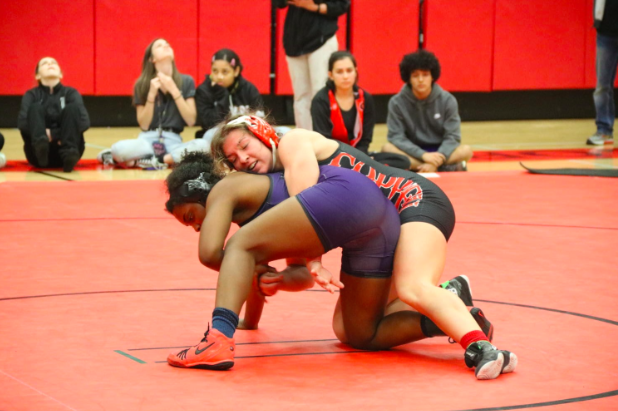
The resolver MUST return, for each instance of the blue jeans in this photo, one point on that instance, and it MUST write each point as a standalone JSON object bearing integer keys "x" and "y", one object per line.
{"x": 607, "y": 63}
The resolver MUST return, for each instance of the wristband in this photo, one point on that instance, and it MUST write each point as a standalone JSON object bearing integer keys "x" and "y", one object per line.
{"x": 176, "y": 98}
{"x": 149, "y": 101}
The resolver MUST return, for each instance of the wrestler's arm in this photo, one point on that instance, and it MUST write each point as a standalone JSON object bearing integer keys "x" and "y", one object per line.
{"x": 214, "y": 230}
{"x": 298, "y": 158}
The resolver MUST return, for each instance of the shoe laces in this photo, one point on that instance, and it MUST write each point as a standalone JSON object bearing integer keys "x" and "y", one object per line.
{"x": 183, "y": 354}
{"x": 206, "y": 334}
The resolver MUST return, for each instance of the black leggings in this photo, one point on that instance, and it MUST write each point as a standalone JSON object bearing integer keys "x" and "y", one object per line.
{"x": 70, "y": 137}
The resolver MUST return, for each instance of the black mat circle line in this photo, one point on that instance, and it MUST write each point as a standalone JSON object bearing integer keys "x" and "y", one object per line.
{"x": 509, "y": 407}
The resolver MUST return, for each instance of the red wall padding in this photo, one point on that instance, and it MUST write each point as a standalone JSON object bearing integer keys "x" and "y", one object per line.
{"x": 244, "y": 28}
{"x": 283, "y": 84}
{"x": 31, "y": 30}
{"x": 124, "y": 30}
{"x": 540, "y": 44}
{"x": 591, "y": 46}
{"x": 483, "y": 45}
{"x": 461, "y": 34}
{"x": 382, "y": 32}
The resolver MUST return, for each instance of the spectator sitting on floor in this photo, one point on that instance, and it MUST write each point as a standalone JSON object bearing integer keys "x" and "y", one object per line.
{"x": 164, "y": 102}
{"x": 225, "y": 92}
{"x": 344, "y": 111}
{"x": 52, "y": 120}
{"x": 423, "y": 119}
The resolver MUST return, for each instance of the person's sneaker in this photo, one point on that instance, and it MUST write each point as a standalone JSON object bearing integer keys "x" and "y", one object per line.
{"x": 483, "y": 322}
{"x": 488, "y": 361}
{"x": 214, "y": 352}
{"x": 2, "y": 160}
{"x": 460, "y": 286}
{"x": 150, "y": 163}
{"x": 41, "y": 151}
{"x": 105, "y": 157}
{"x": 598, "y": 139}
{"x": 461, "y": 166}
{"x": 69, "y": 160}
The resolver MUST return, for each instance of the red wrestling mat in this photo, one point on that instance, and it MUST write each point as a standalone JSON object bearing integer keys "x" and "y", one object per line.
{"x": 501, "y": 155}
{"x": 99, "y": 283}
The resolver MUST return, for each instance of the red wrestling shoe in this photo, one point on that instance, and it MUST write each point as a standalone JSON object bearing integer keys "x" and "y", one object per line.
{"x": 214, "y": 352}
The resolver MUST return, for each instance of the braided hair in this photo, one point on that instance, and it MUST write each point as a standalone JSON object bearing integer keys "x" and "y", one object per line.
{"x": 191, "y": 180}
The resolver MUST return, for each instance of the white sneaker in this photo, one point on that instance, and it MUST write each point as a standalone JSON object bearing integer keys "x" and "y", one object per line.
{"x": 599, "y": 139}
{"x": 2, "y": 160}
{"x": 150, "y": 163}
{"x": 105, "y": 157}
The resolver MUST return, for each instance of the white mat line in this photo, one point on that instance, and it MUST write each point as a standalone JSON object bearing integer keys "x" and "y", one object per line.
{"x": 40, "y": 392}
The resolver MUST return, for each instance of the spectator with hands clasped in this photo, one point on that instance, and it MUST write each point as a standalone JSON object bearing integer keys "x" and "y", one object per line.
{"x": 164, "y": 102}
{"x": 423, "y": 119}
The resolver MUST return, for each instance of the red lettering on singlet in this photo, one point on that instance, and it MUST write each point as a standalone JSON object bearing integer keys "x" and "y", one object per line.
{"x": 408, "y": 195}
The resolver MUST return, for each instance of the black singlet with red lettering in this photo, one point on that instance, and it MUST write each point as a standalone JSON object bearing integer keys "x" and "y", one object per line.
{"x": 415, "y": 197}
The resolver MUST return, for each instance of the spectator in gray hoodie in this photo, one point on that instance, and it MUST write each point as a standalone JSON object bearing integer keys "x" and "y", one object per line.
{"x": 423, "y": 119}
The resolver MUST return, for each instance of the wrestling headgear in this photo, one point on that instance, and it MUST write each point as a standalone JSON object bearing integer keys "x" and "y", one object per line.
{"x": 260, "y": 128}
{"x": 263, "y": 131}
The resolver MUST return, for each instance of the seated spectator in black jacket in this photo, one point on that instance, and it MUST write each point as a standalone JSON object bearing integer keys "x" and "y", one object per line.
{"x": 343, "y": 111}
{"x": 52, "y": 120}
{"x": 225, "y": 92}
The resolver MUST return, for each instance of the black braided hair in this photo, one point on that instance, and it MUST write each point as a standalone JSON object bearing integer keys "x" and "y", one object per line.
{"x": 190, "y": 168}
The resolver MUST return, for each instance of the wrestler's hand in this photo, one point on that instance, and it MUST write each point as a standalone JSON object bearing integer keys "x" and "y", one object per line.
{"x": 259, "y": 272}
{"x": 324, "y": 277}
{"x": 269, "y": 282}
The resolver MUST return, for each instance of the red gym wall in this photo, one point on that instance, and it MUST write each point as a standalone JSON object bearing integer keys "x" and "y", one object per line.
{"x": 483, "y": 45}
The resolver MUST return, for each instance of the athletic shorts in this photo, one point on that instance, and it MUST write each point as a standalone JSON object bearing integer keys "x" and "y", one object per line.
{"x": 435, "y": 209}
{"x": 348, "y": 210}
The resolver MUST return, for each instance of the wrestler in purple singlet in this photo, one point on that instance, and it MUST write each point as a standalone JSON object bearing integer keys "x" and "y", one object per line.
{"x": 369, "y": 232}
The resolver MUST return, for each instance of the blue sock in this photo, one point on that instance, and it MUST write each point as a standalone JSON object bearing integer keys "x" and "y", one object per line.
{"x": 225, "y": 321}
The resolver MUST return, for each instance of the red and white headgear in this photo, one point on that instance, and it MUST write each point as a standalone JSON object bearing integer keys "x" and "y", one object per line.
{"x": 262, "y": 130}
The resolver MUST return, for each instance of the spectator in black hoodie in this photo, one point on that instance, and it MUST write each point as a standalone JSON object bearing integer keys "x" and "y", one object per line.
{"x": 52, "y": 120}
{"x": 225, "y": 92}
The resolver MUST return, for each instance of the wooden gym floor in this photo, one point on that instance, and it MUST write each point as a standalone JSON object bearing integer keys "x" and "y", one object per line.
{"x": 484, "y": 137}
